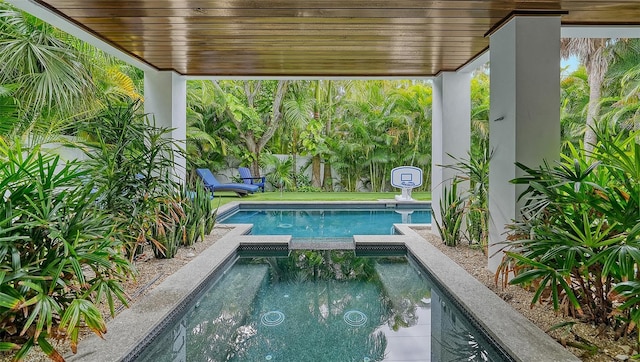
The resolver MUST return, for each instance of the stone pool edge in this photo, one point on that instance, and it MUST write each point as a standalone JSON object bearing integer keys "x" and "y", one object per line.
{"x": 522, "y": 339}
{"x": 517, "y": 335}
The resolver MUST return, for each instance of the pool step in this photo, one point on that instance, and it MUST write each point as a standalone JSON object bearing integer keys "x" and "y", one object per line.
{"x": 213, "y": 321}
{"x": 322, "y": 244}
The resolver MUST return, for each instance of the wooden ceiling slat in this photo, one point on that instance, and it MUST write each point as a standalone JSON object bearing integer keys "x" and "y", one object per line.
{"x": 277, "y": 56}
{"x": 335, "y": 4}
{"x": 160, "y": 29}
{"x": 225, "y": 55}
{"x": 360, "y": 68}
{"x": 159, "y": 35}
{"x": 290, "y": 13}
{"x": 201, "y": 21}
{"x": 315, "y": 37}
{"x": 184, "y": 37}
{"x": 307, "y": 51}
{"x": 303, "y": 4}
{"x": 433, "y": 41}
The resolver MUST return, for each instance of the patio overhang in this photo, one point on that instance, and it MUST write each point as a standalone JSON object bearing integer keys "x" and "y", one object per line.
{"x": 174, "y": 41}
{"x": 311, "y": 38}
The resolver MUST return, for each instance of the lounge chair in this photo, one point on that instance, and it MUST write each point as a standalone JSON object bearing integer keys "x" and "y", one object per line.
{"x": 247, "y": 178}
{"x": 212, "y": 184}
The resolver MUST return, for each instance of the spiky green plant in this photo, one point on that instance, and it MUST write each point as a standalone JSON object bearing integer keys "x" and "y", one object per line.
{"x": 58, "y": 253}
{"x": 452, "y": 205}
{"x": 475, "y": 170}
{"x": 131, "y": 163}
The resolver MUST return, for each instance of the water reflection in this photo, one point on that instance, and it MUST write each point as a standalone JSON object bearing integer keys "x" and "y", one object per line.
{"x": 322, "y": 306}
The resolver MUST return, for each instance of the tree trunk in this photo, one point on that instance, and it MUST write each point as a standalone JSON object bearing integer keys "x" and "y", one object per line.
{"x": 327, "y": 177}
{"x": 315, "y": 172}
{"x": 255, "y": 150}
{"x": 595, "y": 92}
{"x": 316, "y": 160}
{"x": 294, "y": 173}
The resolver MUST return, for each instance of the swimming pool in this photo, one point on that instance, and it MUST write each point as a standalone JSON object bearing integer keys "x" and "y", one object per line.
{"x": 315, "y": 221}
{"x": 167, "y": 302}
{"x": 322, "y": 306}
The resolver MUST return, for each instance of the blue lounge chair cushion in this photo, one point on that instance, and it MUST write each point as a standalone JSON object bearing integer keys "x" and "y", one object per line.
{"x": 247, "y": 178}
{"x": 212, "y": 184}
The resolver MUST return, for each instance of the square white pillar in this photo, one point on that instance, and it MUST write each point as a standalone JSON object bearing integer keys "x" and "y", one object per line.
{"x": 451, "y": 130}
{"x": 165, "y": 99}
{"x": 525, "y": 113}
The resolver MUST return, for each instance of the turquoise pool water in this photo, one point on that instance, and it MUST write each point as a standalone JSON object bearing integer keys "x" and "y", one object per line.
{"x": 329, "y": 223}
{"x": 322, "y": 306}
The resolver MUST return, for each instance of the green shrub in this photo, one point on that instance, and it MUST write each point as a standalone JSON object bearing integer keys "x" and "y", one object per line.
{"x": 451, "y": 214}
{"x": 200, "y": 213}
{"x": 475, "y": 170}
{"x": 58, "y": 253}
{"x": 168, "y": 231}
{"x": 131, "y": 163}
{"x": 579, "y": 236}
{"x": 185, "y": 221}
{"x": 279, "y": 175}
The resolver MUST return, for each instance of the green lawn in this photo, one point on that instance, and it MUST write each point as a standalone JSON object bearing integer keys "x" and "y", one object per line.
{"x": 226, "y": 197}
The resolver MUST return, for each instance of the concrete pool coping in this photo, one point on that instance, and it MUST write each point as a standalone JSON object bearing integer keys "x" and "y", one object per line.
{"x": 516, "y": 335}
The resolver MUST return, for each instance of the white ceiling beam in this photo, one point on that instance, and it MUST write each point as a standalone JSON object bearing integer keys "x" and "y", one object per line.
{"x": 600, "y": 31}
{"x": 475, "y": 63}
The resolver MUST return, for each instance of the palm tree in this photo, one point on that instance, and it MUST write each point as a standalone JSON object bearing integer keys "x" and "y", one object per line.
{"x": 622, "y": 86}
{"x": 411, "y": 125}
{"x": 210, "y": 136}
{"x": 574, "y": 98}
{"x": 595, "y": 54}
{"x": 297, "y": 112}
{"x": 51, "y": 75}
{"x": 349, "y": 155}
{"x": 480, "y": 105}
{"x": 58, "y": 81}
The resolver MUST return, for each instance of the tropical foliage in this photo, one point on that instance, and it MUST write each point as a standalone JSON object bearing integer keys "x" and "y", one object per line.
{"x": 59, "y": 253}
{"x": 451, "y": 213}
{"x": 49, "y": 71}
{"x": 52, "y": 80}
{"x": 255, "y": 109}
{"x": 470, "y": 204}
{"x": 596, "y": 55}
{"x": 331, "y": 122}
{"x": 578, "y": 244}
{"x": 130, "y": 162}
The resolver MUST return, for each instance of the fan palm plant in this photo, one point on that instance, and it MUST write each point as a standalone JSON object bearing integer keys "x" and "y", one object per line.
{"x": 51, "y": 74}
{"x": 580, "y": 233}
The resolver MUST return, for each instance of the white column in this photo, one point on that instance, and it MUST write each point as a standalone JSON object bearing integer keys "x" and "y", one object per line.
{"x": 165, "y": 99}
{"x": 525, "y": 113}
{"x": 451, "y": 130}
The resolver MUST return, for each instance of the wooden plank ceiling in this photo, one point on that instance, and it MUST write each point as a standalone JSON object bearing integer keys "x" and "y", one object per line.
{"x": 316, "y": 38}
